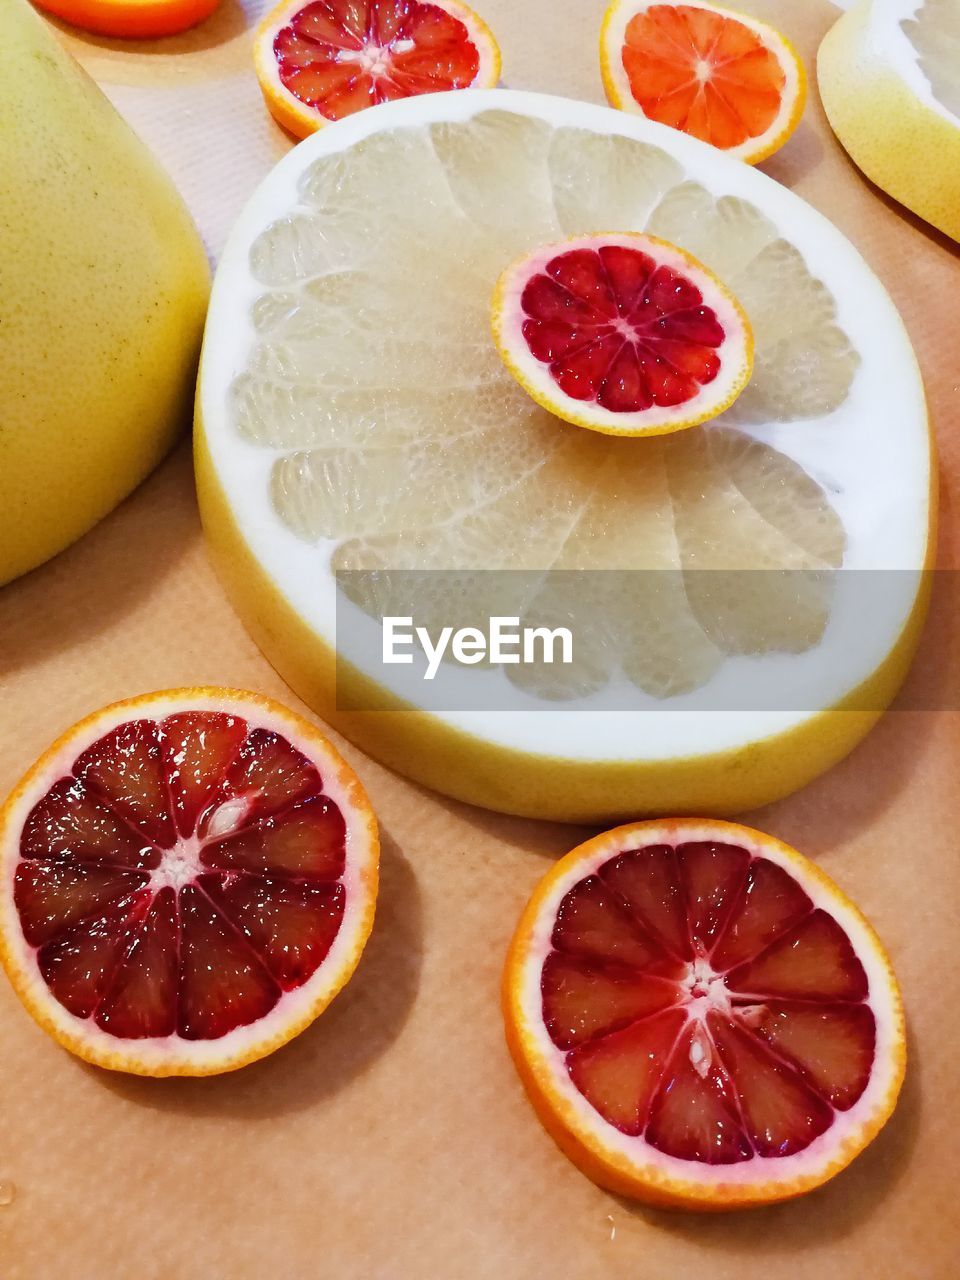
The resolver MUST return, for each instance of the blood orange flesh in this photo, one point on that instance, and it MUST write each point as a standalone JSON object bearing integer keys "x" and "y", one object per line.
{"x": 703, "y": 1001}
{"x": 622, "y": 333}
{"x": 184, "y": 875}
{"x": 339, "y": 56}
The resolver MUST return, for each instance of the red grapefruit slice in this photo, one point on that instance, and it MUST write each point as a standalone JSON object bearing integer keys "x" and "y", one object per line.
{"x": 622, "y": 333}
{"x": 186, "y": 881}
{"x": 718, "y": 75}
{"x": 326, "y": 59}
{"x": 700, "y": 1017}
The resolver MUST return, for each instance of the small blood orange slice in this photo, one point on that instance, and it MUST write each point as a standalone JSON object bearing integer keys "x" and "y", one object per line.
{"x": 187, "y": 879}
{"x": 622, "y": 333}
{"x": 326, "y": 59}
{"x": 718, "y": 75}
{"x": 700, "y": 1017}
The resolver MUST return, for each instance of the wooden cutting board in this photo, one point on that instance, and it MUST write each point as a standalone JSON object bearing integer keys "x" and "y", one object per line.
{"x": 392, "y": 1140}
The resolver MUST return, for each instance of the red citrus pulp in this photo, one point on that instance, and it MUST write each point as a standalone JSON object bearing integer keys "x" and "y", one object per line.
{"x": 185, "y": 879}
{"x": 703, "y": 1015}
{"x": 624, "y": 334}
{"x": 326, "y": 59}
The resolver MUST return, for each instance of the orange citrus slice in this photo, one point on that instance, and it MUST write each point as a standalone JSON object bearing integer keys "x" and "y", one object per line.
{"x": 700, "y": 1016}
{"x": 131, "y": 19}
{"x": 721, "y": 76}
{"x": 324, "y": 60}
{"x": 188, "y": 879}
{"x": 624, "y": 334}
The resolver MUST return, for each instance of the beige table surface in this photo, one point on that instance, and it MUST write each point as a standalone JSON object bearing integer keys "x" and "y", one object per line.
{"x": 392, "y": 1140}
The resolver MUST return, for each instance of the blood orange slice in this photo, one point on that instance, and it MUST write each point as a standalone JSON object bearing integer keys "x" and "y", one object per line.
{"x": 326, "y": 59}
{"x": 721, "y": 76}
{"x": 700, "y": 1017}
{"x": 186, "y": 881}
{"x": 624, "y": 334}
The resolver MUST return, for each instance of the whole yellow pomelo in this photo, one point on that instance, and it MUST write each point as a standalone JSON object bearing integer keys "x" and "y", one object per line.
{"x": 103, "y": 290}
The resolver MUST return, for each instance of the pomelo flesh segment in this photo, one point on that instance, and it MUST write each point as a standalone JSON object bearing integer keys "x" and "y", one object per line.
{"x": 934, "y": 31}
{"x": 184, "y": 874}
{"x": 702, "y": 1001}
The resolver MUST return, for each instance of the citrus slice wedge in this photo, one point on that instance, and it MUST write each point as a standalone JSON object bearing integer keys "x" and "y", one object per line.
{"x": 187, "y": 879}
{"x": 889, "y": 77}
{"x": 700, "y": 1016}
{"x": 131, "y": 19}
{"x": 719, "y": 75}
{"x": 624, "y": 334}
{"x": 354, "y": 417}
{"x": 325, "y": 59}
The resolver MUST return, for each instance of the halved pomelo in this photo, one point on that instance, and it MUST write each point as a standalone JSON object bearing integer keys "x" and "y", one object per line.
{"x": 716, "y": 74}
{"x": 321, "y": 60}
{"x": 700, "y": 1016}
{"x": 187, "y": 879}
{"x": 622, "y": 333}
{"x": 354, "y": 415}
{"x": 889, "y": 77}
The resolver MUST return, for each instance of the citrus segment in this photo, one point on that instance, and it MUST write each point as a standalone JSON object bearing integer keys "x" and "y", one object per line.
{"x": 934, "y": 32}
{"x": 326, "y": 59}
{"x": 622, "y": 333}
{"x": 688, "y": 1080}
{"x": 189, "y": 878}
{"x": 889, "y": 77}
{"x": 720, "y": 76}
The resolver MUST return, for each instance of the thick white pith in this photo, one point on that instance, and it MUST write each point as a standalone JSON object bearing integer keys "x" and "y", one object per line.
{"x": 168, "y": 1054}
{"x": 614, "y": 36}
{"x": 871, "y": 456}
{"x": 596, "y": 1133}
{"x": 509, "y": 318}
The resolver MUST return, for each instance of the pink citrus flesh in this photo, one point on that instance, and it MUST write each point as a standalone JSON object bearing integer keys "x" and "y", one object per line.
{"x": 327, "y": 59}
{"x": 622, "y": 333}
{"x": 712, "y": 1011}
{"x": 185, "y": 878}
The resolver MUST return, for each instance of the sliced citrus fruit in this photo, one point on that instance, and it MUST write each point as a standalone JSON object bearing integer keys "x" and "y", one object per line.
{"x": 188, "y": 879}
{"x": 889, "y": 76}
{"x": 326, "y": 59}
{"x": 718, "y": 75}
{"x": 131, "y": 19}
{"x": 624, "y": 334}
{"x": 354, "y": 414}
{"x": 700, "y": 1016}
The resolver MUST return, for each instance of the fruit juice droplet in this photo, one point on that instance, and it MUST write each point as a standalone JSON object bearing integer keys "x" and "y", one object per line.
{"x": 7, "y": 1192}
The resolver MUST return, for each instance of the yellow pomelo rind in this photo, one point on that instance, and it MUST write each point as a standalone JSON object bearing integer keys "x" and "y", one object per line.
{"x": 105, "y": 286}
{"x": 909, "y": 150}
